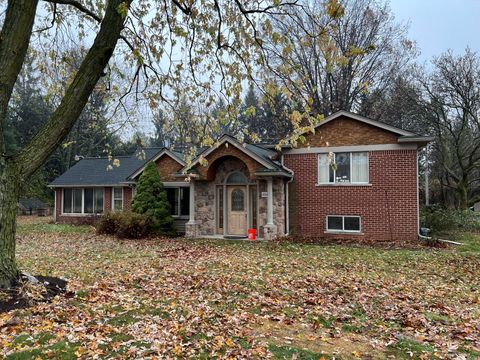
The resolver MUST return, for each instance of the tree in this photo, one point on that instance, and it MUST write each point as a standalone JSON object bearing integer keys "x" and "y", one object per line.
{"x": 151, "y": 199}
{"x": 330, "y": 59}
{"x": 15, "y": 35}
{"x": 450, "y": 96}
{"x": 266, "y": 119}
{"x": 218, "y": 42}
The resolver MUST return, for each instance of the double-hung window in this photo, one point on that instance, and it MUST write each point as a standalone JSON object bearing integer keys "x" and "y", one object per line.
{"x": 179, "y": 199}
{"x": 117, "y": 199}
{"x": 83, "y": 201}
{"x": 343, "y": 168}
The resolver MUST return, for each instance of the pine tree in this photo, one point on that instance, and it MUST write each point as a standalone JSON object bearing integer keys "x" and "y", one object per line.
{"x": 151, "y": 199}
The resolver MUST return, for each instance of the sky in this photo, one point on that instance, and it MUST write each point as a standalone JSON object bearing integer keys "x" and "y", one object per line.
{"x": 439, "y": 25}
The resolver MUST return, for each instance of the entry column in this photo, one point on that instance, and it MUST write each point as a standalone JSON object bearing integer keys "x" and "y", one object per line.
{"x": 270, "y": 229}
{"x": 191, "y": 225}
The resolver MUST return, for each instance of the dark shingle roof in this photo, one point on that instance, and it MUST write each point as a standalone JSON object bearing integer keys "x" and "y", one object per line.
{"x": 31, "y": 203}
{"x": 96, "y": 171}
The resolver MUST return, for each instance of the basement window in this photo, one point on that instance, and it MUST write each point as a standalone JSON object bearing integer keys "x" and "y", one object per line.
{"x": 343, "y": 223}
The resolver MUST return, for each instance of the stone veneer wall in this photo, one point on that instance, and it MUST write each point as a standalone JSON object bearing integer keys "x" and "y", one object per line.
{"x": 278, "y": 206}
{"x": 205, "y": 199}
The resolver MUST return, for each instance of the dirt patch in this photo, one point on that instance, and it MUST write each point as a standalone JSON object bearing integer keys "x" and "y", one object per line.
{"x": 28, "y": 293}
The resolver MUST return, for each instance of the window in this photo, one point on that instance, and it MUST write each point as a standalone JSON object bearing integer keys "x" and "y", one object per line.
{"x": 342, "y": 223}
{"x": 343, "y": 167}
{"x": 238, "y": 200}
{"x": 253, "y": 204}
{"x": 220, "y": 209}
{"x": 93, "y": 198}
{"x": 236, "y": 178}
{"x": 117, "y": 196}
{"x": 83, "y": 201}
{"x": 179, "y": 199}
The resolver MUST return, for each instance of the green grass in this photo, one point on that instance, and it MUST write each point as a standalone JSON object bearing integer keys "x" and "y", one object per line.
{"x": 23, "y": 229}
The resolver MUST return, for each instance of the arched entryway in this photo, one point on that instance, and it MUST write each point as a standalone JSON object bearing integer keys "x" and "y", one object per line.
{"x": 236, "y": 201}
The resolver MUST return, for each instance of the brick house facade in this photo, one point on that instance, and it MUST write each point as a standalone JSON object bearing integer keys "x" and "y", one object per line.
{"x": 352, "y": 178}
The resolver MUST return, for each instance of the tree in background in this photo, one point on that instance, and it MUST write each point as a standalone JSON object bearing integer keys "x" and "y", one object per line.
{"x": 450, "y": 98}
{"x": 363, "y": 51}
{"x": 266, "y": 118}
{"x": 151, "y": 199}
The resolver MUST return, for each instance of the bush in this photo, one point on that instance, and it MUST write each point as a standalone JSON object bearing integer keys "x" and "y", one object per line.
{"x": 151, "y": 199}
{"x": 107, "y": 224}
{"x": 134, "y": 226}
{"x": 439, "y": 219}
{"x": 126, "y": 225}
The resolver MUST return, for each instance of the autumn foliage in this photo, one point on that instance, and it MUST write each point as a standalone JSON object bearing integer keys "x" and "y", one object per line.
{"x": 151, "y": 200}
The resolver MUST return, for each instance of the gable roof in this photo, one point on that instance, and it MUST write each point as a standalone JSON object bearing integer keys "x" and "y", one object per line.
{"x": 175, "y": 155}
{"x": 262, "y": 155}
{"x": 366, "y": 120}
{"x": 404, "y": 136}
{"x": 95, "y": 171}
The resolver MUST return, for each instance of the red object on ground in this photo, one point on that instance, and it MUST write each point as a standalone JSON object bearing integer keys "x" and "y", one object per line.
{"x": 252, "y": 234}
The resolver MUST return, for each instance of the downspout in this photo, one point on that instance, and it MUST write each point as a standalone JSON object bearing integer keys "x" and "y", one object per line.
{"x": 287, "y": 213}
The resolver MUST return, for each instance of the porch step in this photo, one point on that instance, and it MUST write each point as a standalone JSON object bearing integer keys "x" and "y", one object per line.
{"x": 235, "y": 237}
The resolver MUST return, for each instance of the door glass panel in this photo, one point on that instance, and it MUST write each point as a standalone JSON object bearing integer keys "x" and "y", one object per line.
{"x": 238, "y": 200}
{"x": 253, "y": 201}
{"x": 220, "y": 208}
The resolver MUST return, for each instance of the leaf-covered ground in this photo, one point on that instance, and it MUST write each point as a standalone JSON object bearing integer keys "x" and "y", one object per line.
{"x": 235, "y": 299}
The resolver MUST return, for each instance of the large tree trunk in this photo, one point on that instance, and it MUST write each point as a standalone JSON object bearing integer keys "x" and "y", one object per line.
{"x": 16, "y": 171}
{"x": 9, "y": 190}
{"x": 462, "y": 191}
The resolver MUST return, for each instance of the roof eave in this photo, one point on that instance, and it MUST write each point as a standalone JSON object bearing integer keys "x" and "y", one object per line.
{"x": 420, "y": 141}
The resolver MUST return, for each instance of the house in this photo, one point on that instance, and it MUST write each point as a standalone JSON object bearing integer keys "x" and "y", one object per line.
{"x": 32, "y": 206}
{"x": 353, "y": 178}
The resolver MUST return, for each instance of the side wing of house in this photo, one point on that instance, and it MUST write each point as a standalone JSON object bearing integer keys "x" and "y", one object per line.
{"x": 355, "y": 178}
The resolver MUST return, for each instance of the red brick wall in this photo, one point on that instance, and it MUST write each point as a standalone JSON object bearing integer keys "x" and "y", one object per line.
{"x": 347, "y": 131}
{"x": 388, "y": 207}
{"x": 127, "y": 199}
{"x": 167, "y": 168}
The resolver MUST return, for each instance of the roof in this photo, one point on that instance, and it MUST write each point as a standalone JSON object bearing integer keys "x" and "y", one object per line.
{"x": 31, "y": 203}
{"x": 175, "y": 155}
{"x": 263, "y": 155}
{"x": 404, "y": 135}
{"x": 101, "y": 171}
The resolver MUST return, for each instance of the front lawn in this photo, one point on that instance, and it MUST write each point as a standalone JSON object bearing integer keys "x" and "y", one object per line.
{"x": 211, "y": 298}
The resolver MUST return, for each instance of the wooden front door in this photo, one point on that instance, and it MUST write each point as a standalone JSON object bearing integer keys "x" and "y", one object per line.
{"x": 237, "y": 210}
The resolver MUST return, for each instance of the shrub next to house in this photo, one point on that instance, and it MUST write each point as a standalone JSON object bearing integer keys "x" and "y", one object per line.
{"x": 151, "y": 199}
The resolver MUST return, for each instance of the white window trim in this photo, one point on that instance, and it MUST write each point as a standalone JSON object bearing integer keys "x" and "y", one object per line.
{"x": 113, "y": 198}
{"x": 350, "y": 183}
{"x": 335, "y": 231}
{"x": 83, "y": 213}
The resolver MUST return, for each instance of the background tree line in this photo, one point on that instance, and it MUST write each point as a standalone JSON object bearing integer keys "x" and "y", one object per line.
{"x": 366, "y": 64}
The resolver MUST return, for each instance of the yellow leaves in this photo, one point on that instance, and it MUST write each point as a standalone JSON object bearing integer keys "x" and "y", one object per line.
{"x": 334, "y": 9}
{"x": 79, "y": 351}
{"x": 177, "y": 350}
{"x": 229, "y": 342}
{"x": 123, "y": 9}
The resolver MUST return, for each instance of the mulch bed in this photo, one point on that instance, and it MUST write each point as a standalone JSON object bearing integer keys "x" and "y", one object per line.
{"x": 18, "y": 298}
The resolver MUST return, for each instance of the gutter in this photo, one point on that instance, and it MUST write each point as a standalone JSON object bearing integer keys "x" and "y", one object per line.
{"x": 287, "y": 203}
